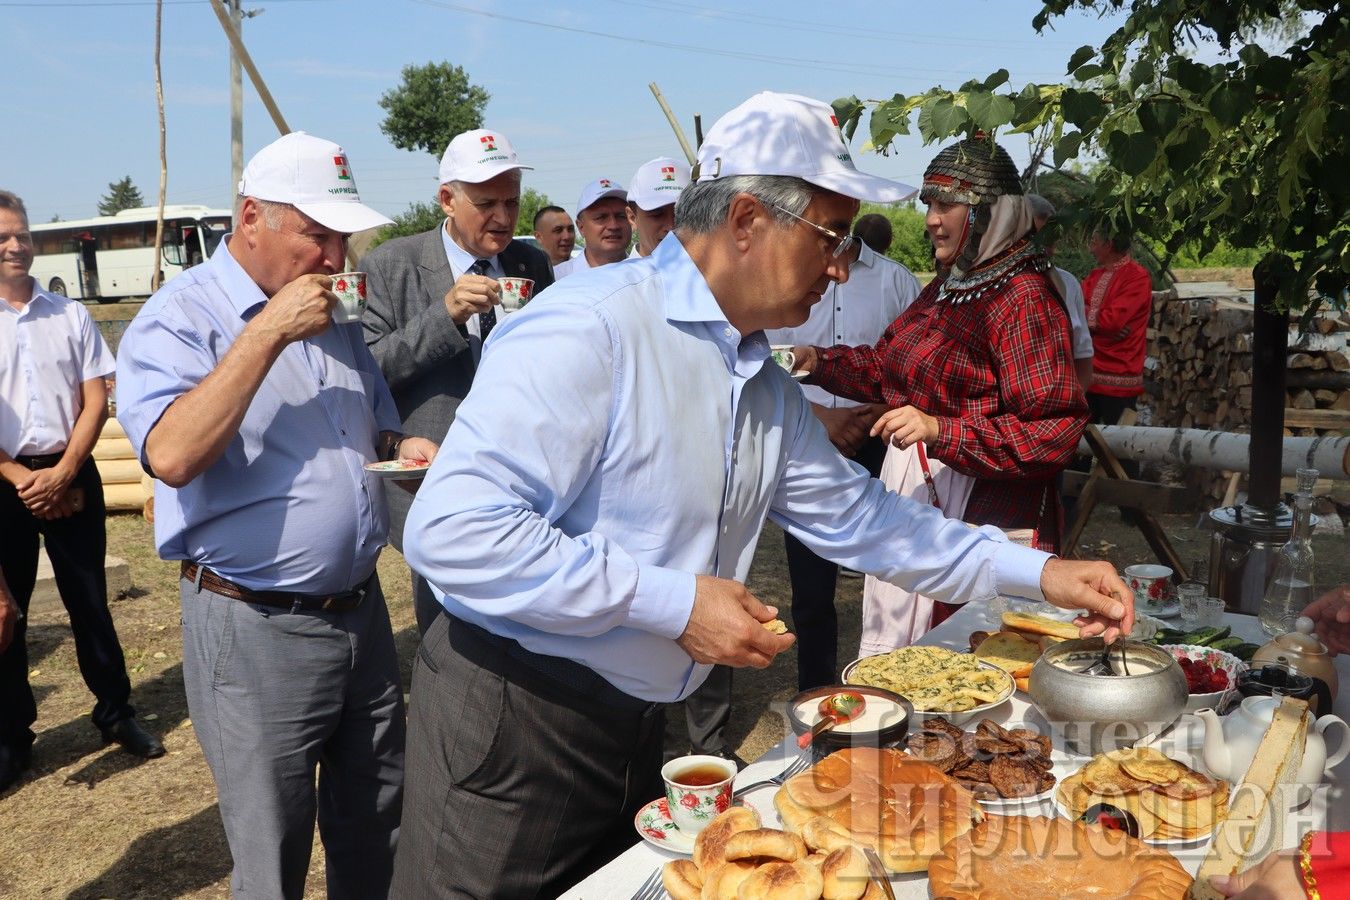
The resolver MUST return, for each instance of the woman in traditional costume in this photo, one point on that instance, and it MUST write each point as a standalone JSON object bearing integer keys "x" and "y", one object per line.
{"x": 978, "y": 372}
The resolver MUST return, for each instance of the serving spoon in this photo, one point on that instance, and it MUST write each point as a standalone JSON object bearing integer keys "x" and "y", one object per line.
{"x": 835, "y": 709}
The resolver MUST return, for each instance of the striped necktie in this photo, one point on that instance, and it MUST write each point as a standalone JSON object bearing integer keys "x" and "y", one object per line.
{"x": 486, "y": 320}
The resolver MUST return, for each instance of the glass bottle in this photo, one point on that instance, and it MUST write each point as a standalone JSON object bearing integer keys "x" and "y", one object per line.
{"x": 1291, "y": 585}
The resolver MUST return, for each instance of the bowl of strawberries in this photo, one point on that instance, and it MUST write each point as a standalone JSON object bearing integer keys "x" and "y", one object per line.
{"x": 1210, "y": 674}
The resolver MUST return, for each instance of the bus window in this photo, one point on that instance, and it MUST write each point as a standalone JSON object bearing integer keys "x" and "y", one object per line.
{"x": 213, "y": 230}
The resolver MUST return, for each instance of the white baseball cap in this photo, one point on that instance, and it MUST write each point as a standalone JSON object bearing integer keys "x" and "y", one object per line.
{"x": 599, "y": 189}
{"x": 312, "y": 175}
{"x": 658, "y": 182}
{"x": 787, "y": 134}
{"x": 475, "y": 156}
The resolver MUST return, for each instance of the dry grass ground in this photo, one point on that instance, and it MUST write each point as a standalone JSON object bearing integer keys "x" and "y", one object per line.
{"x": 93, "y": 822}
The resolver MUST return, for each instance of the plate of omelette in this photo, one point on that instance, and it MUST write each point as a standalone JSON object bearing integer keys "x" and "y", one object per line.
{"x": 937, "y": 681}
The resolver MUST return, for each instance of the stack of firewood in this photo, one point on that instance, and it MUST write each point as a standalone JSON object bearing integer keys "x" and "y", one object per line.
{"x": 1199, "y": 373}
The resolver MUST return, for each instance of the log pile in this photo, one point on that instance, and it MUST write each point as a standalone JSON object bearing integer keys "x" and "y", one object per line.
{"x": 119, "y": 470}
{"x": 1199, "y": 373}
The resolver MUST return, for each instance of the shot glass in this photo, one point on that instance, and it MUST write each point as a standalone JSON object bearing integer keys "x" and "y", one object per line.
{"x": 1211, "y": 612}
{"x": 1190, "y": 596}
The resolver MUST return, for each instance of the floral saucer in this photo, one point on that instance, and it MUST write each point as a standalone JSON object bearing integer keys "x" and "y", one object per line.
{"x": 654, "y": 824}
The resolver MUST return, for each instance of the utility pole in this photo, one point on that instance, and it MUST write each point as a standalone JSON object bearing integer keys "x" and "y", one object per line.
{"x": 237, "y": 15}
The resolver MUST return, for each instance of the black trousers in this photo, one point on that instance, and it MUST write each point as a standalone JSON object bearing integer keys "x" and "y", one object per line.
{"x": 76, "y": 546}
{"x": 814, "y": 619}
{"x": 1107, "y": 410}
{"x": 521, "y": 782}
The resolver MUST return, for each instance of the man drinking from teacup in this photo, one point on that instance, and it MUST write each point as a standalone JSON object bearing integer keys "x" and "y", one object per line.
{"x": 257, "y": 414}
{"x": 589, "y": 525}
{"x": 434, "y": 298}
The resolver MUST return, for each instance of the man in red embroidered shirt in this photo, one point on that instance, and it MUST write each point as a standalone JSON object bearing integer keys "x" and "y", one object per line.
{"x": 1118, "y": 295}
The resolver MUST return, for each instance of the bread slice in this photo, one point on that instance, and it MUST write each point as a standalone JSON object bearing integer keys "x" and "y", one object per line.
{"x": 1257, "y": 808}
{"x": 1012, "y": 653}
{"x": 1034, "y": 624}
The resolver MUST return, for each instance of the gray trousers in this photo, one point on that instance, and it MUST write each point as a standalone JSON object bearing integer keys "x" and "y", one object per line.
{"x": 521, "y": 785}
{"x": 707, "y": 711}
{"x": 274, "y": 695}
{"x": 425, "y": 606}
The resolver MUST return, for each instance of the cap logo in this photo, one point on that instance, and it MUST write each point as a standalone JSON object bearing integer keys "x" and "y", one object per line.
{"x": 604, "y": 182}
{"x": 344, "y": 171}
{"x": 667, "y": 173}
{"x": 489, "y": 142}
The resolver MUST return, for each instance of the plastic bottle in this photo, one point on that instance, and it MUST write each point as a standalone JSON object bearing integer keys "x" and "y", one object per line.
{"x": 1291, "y": 584}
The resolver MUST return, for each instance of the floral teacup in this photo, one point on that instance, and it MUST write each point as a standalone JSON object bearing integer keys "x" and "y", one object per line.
{"x": 1152, "y": 586}
{"x": 697, "y": 789}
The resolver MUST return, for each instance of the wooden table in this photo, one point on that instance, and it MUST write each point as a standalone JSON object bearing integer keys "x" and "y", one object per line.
{"x": 1328, "y": 808}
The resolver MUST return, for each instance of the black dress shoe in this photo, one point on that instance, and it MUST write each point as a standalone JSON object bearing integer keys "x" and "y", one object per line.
{"x": 133, "y": 738}
{"x": 14, "y": 761}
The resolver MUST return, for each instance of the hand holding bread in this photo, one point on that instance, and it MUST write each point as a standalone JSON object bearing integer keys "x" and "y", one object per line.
{"x": 727, "y": 625}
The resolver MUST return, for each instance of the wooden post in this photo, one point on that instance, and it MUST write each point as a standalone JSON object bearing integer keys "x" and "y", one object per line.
{"x": 670, "y": 117}
{"x": 247, "y": 62}
{"x": 157, "y": 272}
{"x": 1270, "y": 348}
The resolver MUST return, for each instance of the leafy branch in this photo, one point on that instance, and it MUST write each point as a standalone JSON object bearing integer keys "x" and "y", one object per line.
{"x": 1248, "y": 152}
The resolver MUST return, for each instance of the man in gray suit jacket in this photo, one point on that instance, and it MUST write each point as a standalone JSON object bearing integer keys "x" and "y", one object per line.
{"x": 432, "y": 300}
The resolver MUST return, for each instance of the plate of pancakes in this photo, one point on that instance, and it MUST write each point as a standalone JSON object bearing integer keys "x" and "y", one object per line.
{"x": 1173, "y": 804}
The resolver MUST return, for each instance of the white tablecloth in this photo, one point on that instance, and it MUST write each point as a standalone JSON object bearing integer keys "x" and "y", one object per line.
{"x": 1328, "y": 809}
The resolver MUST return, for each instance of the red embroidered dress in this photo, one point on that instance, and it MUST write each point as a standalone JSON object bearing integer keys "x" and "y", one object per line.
{"x": 1325, "y": 865}
{"x": 1118, "y": 298}
{"x": 994, "y": 366}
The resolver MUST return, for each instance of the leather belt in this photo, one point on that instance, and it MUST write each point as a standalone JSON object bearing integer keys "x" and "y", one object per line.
{"x": 343, "y": 602}
{"x": 40, "y": 460}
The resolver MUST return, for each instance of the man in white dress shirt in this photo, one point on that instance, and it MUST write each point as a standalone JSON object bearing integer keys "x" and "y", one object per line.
{"x": 855, "y": 312}
{"x": 602, "y": 219}
{"x": 556, "y": 233}
{"x": 653, "y": 192}
{"x": 53, "y": 403}
{"x": 590, "y": 524}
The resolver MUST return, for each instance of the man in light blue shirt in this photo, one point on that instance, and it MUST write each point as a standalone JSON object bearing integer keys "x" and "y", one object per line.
{"x": 257, "y": 415}
{"x": 590, "y": 523}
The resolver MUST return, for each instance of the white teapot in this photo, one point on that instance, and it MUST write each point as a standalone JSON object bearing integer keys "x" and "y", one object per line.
{"x": 1230, "y": 743}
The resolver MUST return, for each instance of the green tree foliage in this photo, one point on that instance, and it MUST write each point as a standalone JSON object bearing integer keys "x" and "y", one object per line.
{"x": 531, "y": 201}
{"x": 121, "y": 195}
{"x": 434, "y": 103}
{"x": 910, "y": 246}
{"x": 417, "y": 218}
{"x": 1248, "y": 153}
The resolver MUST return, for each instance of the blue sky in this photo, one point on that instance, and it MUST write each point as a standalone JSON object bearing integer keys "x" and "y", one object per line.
{"x": 568, "y": 81}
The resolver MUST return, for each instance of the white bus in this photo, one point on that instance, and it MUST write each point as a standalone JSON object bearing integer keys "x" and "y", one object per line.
{"x": 112, "y": 257}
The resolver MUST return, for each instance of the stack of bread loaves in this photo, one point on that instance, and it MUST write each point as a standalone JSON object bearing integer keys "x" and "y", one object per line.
{"x": 737, "y": 859}
{"x": 901, "y": 807}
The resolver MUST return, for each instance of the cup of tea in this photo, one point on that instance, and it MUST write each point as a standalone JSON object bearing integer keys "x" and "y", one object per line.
{"x": 784, "y": 357}
{"x": 350, "y": 288}
{"x": 516, "y": 292}
{"x": 697, "y": 789}
{"x": 1151, "y": 584}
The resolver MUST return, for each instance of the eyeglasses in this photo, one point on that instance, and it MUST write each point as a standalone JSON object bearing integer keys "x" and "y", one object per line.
{"x": 845, "y": 243}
